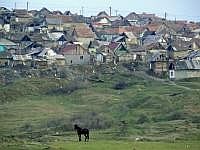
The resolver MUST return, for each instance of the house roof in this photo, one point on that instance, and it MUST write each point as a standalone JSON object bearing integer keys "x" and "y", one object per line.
{"x": 153, "y": 26}
{"x": 57, "y": 12}
{"x": 186, "y": 64}
{"x": 6, "y": 42}
{"x": 25, "y": 38}
{"x": 121, "y": 22}
{"x": 119, "y": 39}
{"x": 132, "y": 16}
{"x": 102, "y": 14}
{"x": 83, "y": 32}
{"x": 16, "y": 37}
{"x": 39, "y": 37}
{"x": 196, "y": 30}
{"x": 68, "y": 13}
{"x": 193, "y": 54}
{"x": 150, "y": 39}
{"x": 21, "y": 57}
{"x": 196, "y": 41}
{"x": 55, "y": 35}
{"x": 62, "y": 38}
{"x": 70, "y": 47}
{"x": 136, "y": 48}
{"x": 155, "y": 46}
{"x": 114, "y": 46}
{"x": 182, "y": 45}
{"x": 58, "y": 19}
{"x": 44, "y": 11}
{"x": 47, "y": 52}
{"x": 108, "y": 31}
{"x": 3, "y": 9}
{"x": 20, "y": 12}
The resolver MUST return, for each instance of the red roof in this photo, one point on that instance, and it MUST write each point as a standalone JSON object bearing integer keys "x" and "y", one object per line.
{"x": 84, "y": 32}
{"x": 71, "y": 49}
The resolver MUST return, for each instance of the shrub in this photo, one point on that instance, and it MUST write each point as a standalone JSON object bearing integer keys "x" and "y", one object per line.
{"x": 142, "y": 119}
{"x": 175, "y": 116}
{"x": 69, "y": 88}
{"x": 92, "y": 120}
{"x": 195, "y": 119}
{"x": 120, "y": 85}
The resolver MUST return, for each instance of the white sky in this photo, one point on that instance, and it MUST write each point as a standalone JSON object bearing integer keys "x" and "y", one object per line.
{"x": 181, "y": 9}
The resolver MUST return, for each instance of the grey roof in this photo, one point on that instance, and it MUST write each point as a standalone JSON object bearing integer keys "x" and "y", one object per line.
{"x": 54, "y": 21}
{"x": 193, "y": 54}
{"x": 149, "y": 39}
{"x": 6, "y": 42}
{"x": 21, "y": 57}
{"x": 188, "y": 65}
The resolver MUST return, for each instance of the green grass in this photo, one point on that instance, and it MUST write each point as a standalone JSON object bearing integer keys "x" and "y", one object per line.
{"x": 31, "y": 110}
{"x": 105, "y": 145}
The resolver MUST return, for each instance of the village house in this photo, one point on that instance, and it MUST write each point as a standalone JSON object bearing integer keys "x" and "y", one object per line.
{"x": 75, "y": 54}
{"x": 114, "y": 52}
{"x": 189, "y": 66}
{"x": 57, "y": 21}
{"x": 83, "y": 35}
{"x": 101, "y": 20}
{"x": 52, "y": 58}
{"x": 158, "y": 64}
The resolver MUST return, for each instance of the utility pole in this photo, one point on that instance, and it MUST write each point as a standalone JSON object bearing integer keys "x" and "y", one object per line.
{"x": 110, "y": 10}
{"x": 15, "y": 5}
{"x": 165, "y": 16}
{"x": 82, "y": 9}
{"x": 116, "y": 11}
{"x": 27, "y": 3}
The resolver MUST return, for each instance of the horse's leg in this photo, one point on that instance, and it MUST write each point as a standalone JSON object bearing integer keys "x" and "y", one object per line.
{"x": 85, "y": 137}
{"x": 88, "y": 137}
{"x": 79, "y": 136}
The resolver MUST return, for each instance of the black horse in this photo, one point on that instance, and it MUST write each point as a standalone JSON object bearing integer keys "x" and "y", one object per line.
{"x": 80, "y": 131}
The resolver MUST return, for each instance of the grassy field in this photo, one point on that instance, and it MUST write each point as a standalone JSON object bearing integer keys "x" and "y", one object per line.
{"x": 104, "y": 145}
{"x": 39, "y": 113}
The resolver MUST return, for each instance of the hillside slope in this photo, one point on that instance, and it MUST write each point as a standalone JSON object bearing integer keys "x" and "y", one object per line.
{"x": 117, "y": 104}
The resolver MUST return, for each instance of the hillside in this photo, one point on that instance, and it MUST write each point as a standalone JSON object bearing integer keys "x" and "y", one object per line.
{"x": 116, "y": 104}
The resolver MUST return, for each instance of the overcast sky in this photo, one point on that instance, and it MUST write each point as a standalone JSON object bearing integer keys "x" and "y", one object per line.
{"x": 181, "y": 9}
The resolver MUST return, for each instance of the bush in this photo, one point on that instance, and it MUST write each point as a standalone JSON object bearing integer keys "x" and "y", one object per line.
{"x": 195, "y": 119}
{"x": 69, "y": 88}
{"x": 142, "y": 119}
{"x": 92, "y": 120}
{"x": 120, "y": 85}
{"x": 175, "y": 116}
{"x": 60, "y": 124}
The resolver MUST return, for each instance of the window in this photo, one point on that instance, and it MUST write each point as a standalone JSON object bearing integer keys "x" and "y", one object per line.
{"x": 81, "y": 57}
{"x": 71, "y": 61}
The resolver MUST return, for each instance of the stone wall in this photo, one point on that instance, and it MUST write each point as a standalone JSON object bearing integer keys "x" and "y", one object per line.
{"x": 181, "y": 74}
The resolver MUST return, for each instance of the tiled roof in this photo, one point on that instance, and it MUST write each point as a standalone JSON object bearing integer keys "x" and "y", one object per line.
{"x": 154, "y": 26}
{"x": 69, "y": 48}
{"x": 83, "y": 32}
